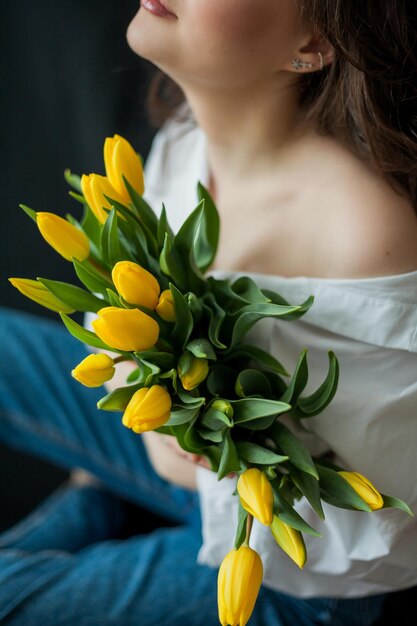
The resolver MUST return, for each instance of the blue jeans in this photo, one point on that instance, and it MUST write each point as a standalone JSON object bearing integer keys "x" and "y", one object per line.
{"x": 63, "y": 565}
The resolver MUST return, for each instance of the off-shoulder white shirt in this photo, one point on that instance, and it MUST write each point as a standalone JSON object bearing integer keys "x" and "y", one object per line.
{"x": 370, "y": 426}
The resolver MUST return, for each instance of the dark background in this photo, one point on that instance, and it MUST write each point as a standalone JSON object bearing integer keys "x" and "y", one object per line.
{"x": 68, "y": 80}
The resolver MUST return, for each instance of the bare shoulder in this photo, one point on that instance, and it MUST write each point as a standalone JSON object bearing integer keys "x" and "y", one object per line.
{"x": 373, "y": 228}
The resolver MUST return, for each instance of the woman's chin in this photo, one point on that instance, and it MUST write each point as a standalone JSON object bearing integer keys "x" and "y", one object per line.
{"x": 146, "y": 37}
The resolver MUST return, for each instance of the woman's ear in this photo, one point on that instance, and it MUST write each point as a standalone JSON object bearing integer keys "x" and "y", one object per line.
{"x": 311, "y": 56}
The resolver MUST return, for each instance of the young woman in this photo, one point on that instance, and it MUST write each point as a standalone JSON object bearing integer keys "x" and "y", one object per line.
{"x": 301, "y": 118}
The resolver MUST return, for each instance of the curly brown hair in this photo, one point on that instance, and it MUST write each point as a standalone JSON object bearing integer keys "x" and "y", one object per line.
{"x": 367, "y": 96}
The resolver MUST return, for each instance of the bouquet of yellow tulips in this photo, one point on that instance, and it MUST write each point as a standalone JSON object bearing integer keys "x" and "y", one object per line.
{"x": 195, "y": 378}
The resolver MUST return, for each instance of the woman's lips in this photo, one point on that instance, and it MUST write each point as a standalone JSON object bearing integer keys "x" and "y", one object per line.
{"x": 157, "y": 8}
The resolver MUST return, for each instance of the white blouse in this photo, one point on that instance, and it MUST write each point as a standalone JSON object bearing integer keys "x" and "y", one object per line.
{"x": 371, "y": 424}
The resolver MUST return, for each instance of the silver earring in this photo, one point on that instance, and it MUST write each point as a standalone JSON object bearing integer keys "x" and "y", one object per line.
{"x": 297, "y": 64}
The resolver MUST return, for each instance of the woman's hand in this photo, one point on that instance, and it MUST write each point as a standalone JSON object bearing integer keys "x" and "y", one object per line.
{"x": 173, "y": 444}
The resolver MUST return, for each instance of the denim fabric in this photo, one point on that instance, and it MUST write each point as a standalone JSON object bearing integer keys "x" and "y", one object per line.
{"x": 63, "y": 564}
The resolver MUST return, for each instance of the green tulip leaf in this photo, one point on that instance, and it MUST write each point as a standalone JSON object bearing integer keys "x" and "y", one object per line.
{"x": 181, "y": 415}
{"x": 173, "y": 375}
{"x": 248, "y": 316}
{"x": 258, "y": 455}
{"x": 216, "y": 436}
{"x": 172, "y": 264}
{"x": 150, "y": 372}
{"x": 77, "y": 196}
{"x": 276, "y": 298}
{"x": 184, "y": 322}
{"x": 131, "y": 217}
{"x": 84, "y": 335}
{"x": 293, "y": 448}
{"x": 114, "y": 299}
{"x": 164, "y": 228}
{"x": 186, "y": 244}
{"x": 143, "y": 211}
{"x": 249, "y": 291}
{"x": 249, "y": 409}
{"x": 202, "y": 349}
{"x": 317, "y": 401}
{"x": 192, "y": 439}
{"x": 213, "y": 454}
{"x": 289, "y": 515}
{"x": 134, "y": 376}
{"x": 229, "y": 461}
{"x": 134, "y": 241}
{"x": 241, "y": 526}
{"x": 207, "y": 236}
{"x": 75, "y": 297}
{"x": 164, "y": 360}
{"x": 216, "y": 317}
{"x": 91, "y": 278}
{"x": 258, "y": 355}
{"x": 215, "y": 419}
{"x": 299, "y": 380}
{"x": 118, "y": 399}
{"x": 396, "y": 503}
{"x": 28, "y": 211}
{"x": 252, "y": 382}
{"x": 309, "y": 487}
{"x": 110, "y": 245}
{"x": 73, "y": 180}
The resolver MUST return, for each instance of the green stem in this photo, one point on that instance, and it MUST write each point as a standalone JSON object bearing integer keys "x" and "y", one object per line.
{"x": 120, "y": 359}
{"x": 100, "y": 269}
{"x": 249, "y": 522}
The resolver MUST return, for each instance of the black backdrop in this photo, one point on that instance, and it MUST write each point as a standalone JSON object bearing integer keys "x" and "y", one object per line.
{"x": 68, "y": 80}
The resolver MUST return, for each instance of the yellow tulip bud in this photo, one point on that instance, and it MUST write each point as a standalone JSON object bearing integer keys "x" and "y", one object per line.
{"x": 95, "y": 188}
{"x": 120, "y": 160}
{"x": 224, "y": 407}
{"x": 37, "y": 292}
{"x": 148, "y": 408}
{"x": 239, "y": 580}
{"x": 69, "y": 241}
{"x": 192, "y": 370}
{"x": 256, "y": 495}
{"x": 166, "y": 307}
{"x": 290, "y": 540}
{"x": 126, "y": 329}
{"x": 135, "y": 284}
{"x": 94, "y": 370}
{"x": 365, "y": 489}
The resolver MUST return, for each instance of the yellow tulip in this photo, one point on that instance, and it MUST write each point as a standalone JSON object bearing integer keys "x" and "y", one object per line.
{"x": 148, "y": 408}
{"x": 238, "y": 584}
{"x": 256, "y": 495}
{"x": 126, "y": 329}
{"x": 120, "y": 160}
{"x": 37, "y": 292}
{"x": 192, "y": 371}
{"x": 290, "y": 540}
{"x": 166, "y": 307}
{"x": 94, "y": 370}
{"x": 135, "y": 284}
{"x": 69, "y": 241}
{"x": 95, "y": 188}
{"x": 365, "y": 489}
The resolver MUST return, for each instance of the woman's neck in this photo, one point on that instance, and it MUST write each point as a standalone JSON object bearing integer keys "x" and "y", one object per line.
{"x": 249, "y": 134}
